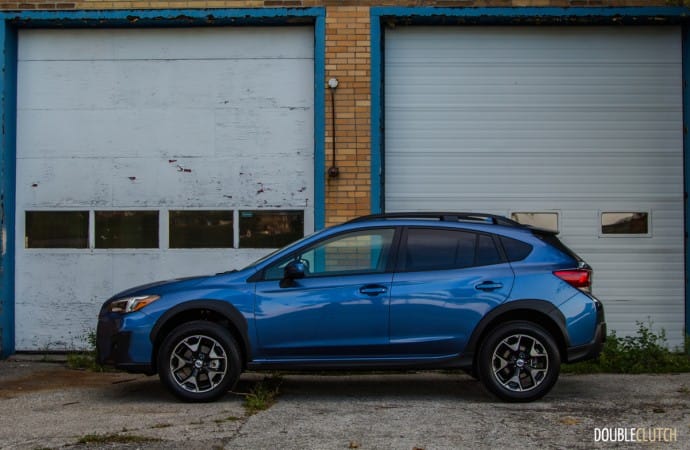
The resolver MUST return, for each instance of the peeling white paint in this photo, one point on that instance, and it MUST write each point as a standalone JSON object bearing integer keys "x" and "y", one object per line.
{"x": 152, "y": 119}
{"x": 59, "y": 293}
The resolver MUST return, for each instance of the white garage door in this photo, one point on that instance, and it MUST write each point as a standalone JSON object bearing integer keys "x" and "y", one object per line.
{"x": 580, "y": 128}
{"x": 151, "y": 154}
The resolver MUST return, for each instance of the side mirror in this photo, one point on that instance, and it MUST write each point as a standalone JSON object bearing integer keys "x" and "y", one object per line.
{"x": 294, "y": 270}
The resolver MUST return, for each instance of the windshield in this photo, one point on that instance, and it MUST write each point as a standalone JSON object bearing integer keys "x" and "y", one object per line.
{"x": 264, "y": 258}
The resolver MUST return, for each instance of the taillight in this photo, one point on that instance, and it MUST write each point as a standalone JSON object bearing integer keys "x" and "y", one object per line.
{"x": 577, "y": 278}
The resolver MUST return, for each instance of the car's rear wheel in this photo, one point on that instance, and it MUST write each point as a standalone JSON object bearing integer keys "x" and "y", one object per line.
{"x": 472, "y": 373}
{"x": 519, "y": 361}
{"x": 199, "y": 361}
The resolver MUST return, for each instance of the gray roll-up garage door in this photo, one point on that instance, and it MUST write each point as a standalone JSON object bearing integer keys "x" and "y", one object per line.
{"x": 579, "y": 128}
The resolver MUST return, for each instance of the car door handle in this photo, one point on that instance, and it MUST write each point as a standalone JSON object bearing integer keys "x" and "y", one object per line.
{"x": 373, "y": 290}
{"x": 488, "y": 286}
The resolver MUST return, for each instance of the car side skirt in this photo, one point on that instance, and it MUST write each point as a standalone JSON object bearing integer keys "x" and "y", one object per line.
{"x": 354, "y": 365}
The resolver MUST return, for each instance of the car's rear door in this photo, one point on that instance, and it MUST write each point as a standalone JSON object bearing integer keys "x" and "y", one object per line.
{"x": 446, "y": 280}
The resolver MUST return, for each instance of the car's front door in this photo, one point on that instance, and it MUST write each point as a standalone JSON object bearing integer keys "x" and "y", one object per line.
{"x": 445, "y": 282}
{"x": 339, "y": 309}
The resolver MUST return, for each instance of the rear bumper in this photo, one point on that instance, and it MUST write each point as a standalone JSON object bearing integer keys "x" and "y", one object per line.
{"x": 593, "y": 349}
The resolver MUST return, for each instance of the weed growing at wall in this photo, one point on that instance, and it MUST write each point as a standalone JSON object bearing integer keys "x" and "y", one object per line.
{"x": 645, "y": 352}
{"x": 85, "y": 360}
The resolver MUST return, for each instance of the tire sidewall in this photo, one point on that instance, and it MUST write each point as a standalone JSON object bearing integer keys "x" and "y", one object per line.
{"x": 485, "y": 367}
{"x": 212, "y": 330}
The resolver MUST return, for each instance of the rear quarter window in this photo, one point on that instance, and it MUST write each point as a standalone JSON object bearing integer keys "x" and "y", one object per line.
{"x": 515, "y": 250}
{"x": 553, "y": 241}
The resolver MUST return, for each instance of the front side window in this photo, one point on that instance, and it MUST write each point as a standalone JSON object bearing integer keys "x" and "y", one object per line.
{"x": 358, "y": 252}
{"x": 432, "y": 249}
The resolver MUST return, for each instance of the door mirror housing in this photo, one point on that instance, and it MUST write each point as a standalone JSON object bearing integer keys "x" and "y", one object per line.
{"x": 294, "y": 270}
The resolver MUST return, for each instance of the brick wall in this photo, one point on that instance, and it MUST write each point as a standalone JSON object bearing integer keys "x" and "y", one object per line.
{"x": 348, "y": 58}
{"x": 138, "y": 4}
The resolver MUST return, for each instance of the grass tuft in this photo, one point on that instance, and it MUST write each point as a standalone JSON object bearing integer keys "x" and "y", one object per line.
{"x": 115, "y": 439}
{"x": 262, "y": 395}
{"x": 86, "y": 360}
{"x": 228, "y": 419}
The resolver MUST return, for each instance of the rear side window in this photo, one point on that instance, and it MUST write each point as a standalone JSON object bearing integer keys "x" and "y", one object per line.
{"x": 515, "y": 250}
{"x": 487, "y": 253}
{"x": 430, "y": 249}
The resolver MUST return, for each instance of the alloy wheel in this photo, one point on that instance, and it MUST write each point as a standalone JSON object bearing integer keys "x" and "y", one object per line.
{"x": 520, "y": 362}
{"x": 198, "y": 363}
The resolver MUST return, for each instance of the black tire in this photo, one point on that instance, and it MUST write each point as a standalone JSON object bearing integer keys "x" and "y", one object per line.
{"x": 519, "y": 361}
{"x": 199, "y": 361}
{"x": 472, "y": 373}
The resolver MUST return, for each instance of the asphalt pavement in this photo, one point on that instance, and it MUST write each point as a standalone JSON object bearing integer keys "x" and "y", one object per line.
{"x": 46, "y": 405}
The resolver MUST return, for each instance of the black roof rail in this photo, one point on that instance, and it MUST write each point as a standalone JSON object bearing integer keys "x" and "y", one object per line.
{"x": 443, "y": 217}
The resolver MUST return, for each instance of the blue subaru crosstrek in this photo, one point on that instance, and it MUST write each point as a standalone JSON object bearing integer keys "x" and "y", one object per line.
{"x": 505, "y": 302}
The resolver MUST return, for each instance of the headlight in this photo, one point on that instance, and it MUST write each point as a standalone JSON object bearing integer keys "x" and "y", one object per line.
{"x": 131, "y": 304}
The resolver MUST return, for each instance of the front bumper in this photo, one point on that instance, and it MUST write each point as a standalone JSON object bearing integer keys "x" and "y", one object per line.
{"x": 593, "y": 349}
{"x": 118, "y": 344}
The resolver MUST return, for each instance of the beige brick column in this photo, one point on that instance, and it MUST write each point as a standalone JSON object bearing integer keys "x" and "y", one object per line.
{"x": 348, "y": 57}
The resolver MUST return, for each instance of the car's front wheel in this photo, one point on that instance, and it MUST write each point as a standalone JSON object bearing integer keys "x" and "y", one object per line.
{"x": 519, "y": 361}
{"x": 199, "y": 361}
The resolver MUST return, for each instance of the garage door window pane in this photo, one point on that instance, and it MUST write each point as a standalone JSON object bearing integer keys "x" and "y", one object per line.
{"x": 126, "y": 229}
{"x": 625, "y": 223}
{"x": 58, "y": 229}
{"x": 201, "y": 229}
{"x": 544, "y": 220}
{"x": 270, "y": 229}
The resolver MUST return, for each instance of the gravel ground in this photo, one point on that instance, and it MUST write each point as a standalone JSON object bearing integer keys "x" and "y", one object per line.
{"x": 45, "y": 405}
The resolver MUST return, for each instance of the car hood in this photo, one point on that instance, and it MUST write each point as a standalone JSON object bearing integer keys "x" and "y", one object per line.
{"x": 176, "y": 284}
{"x": 158, "y": 287}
